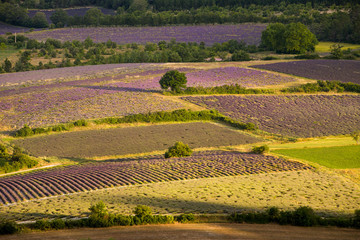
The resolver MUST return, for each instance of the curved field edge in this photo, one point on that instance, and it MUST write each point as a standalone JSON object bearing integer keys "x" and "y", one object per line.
{"x": 93, "y": 176}
{"x": 326, "y": 192}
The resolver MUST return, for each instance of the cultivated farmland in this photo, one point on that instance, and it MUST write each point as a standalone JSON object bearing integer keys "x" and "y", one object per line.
{"x": 339, "y": 70}
{"x": 210, "y": 34}
{"x": 132, "y": 140}
{"x": 325, "y": 192}
{"x": 94, "y": 176}
{"x": 48, "y": 97}
{"x": 290, "y": 115}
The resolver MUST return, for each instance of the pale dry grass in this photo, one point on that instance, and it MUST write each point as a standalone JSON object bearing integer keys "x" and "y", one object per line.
{"x": 326, "y": 192}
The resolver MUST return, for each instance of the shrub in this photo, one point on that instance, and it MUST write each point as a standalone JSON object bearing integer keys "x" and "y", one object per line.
{"x": 42, "y": 224}
{"x": 24, "y": 132}
{"x": 178, "y": 150}
{"x": 185, "y": 218}
{"x": 142, "y": 210}
{"x": 261, "y": 149}
{"x": 9, "y": 227}
{"x": 173, "y": 79}
{"x": 58, "y": 224}
{"x": 304, "y": 216}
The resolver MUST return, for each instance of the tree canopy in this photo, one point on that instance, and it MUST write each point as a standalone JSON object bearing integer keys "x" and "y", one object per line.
{"x": 290, "y": 38}
{"x": 174, "y": 80}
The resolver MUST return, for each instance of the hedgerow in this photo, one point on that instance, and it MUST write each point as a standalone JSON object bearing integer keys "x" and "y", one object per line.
{"x": 181, "y": 115}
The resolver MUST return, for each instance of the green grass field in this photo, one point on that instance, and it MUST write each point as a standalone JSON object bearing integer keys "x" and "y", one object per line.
{"x": 7, "y": 53}
{"x": 340, "y": 157}
{"x": 325, "y": 46}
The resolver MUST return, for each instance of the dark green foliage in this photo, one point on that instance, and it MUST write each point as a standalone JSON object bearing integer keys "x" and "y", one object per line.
{"x": 24, "y": 132}
{"x": 174, "y": 80}
{"x": 240, "y": 55}
{"x": 261, "y": 149}
{"x": 9, "y": 227}
{"x": 142, "y": 211}
{"x": 7, "y": 65}
{"x": 42, "y": 224}
{"x": 291, "y": 38}
{"x": 39, "y": 20}
{"x": 308, "y": 55}
{"x": 178, "y": 150}
{"x": 58, "y": 224}
{"x": 224, "y": 89}
{"x": 356, "y": 221}
{"x": 59, "y": 17}
{"x": 305, "y": 216}
{"x": 81, "y": 123}
{"x": 16, "y": 161}
{"x": 185, "y": 218}
{"x": 324, "y": 86}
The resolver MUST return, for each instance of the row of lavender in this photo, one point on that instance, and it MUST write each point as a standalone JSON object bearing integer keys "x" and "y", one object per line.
{"x": 121, "y": 173}
{"x": 290, "y": 115}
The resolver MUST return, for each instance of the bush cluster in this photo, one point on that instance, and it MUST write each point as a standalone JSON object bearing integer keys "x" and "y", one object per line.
{"x": 302, "y": 216}
{"x": 27, "y": 131}
{"x": 15, "y": 161}
{"x": 178, "y": 150}
{"x": 324, "y": 86}
{"x": 224, "y": 89}
{"x": 260, "y": 149}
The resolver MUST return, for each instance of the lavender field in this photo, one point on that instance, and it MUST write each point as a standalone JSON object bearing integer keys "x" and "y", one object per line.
{"x": 339, "y": 70}
{"x": 121, "y": 173}
{"x": 47, "y": 97}
{"x": 210, "y": 34}
{"x": 290, "y": 115}
{"x": 6, "y": 28}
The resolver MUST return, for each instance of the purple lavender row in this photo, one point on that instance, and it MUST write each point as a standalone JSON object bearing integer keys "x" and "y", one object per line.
{"x": 120, "y": 173}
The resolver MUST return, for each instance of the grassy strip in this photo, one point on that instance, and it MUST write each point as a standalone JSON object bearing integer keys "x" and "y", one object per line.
{"x": 181, "y": 115}
{"x": 224, "y": 89}
{"x": 340, "y": 157}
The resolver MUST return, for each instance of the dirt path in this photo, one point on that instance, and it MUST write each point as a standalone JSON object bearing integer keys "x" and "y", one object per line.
{"x": 197, "y": 231}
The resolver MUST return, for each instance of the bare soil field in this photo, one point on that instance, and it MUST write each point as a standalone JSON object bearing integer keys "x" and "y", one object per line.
{"x": 132, "y": 140}
{"x": 204, "y": 231}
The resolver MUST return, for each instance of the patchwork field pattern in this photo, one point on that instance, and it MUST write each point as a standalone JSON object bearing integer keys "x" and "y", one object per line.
{"x": 101, "y": 175}
{"x": 52, "y": 96}
{"x": 132, "y": 140}
{"x": 325, "y": 192}
{"x": 339, "y": 70}
{"x": 210, "y": 34}
{"x": 290, "y": 115}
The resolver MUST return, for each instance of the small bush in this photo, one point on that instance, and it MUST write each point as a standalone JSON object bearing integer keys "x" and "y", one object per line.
{"x": 304, "y": 216}
{"x": 261, "y": 149}
{"x": 24, "y": 132}
{"x": 9, "y": 227}
{"x": 185, "y": 218}
{"x": 42, "y": 225}
{"x": 178, "y": 150}
{"x": 58, "y": 224}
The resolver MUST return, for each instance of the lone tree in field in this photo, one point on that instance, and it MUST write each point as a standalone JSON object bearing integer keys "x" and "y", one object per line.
{"x": 356, "y": 135}
{"x": 173, "y": 79}
{"x": 178, "y": 150}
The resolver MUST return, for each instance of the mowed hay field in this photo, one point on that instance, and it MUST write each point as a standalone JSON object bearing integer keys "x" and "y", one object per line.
{"x": 326, "y": 192}
{"x": 133, "y": 140}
